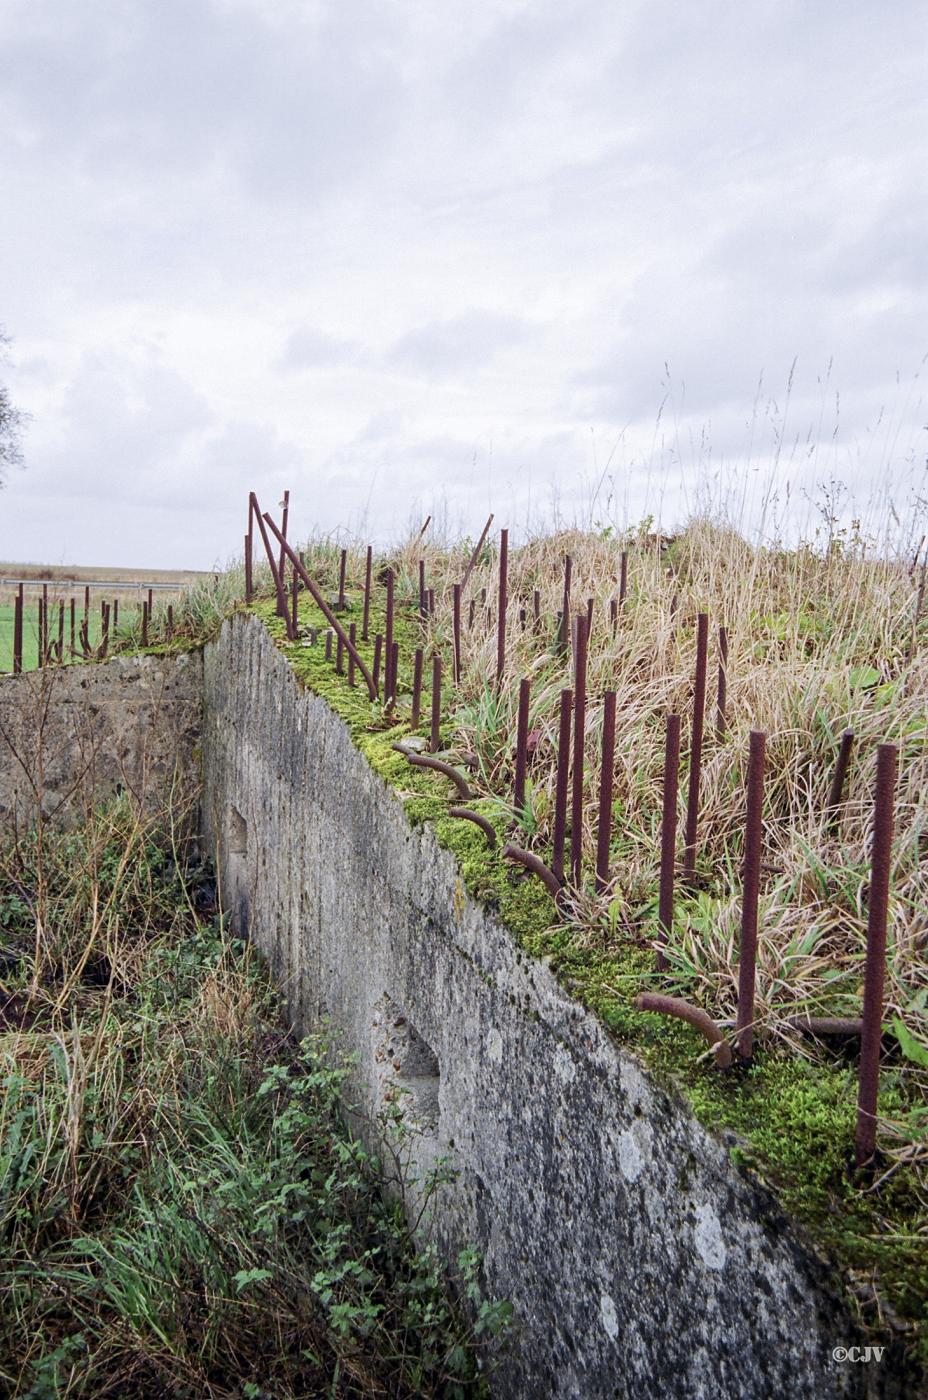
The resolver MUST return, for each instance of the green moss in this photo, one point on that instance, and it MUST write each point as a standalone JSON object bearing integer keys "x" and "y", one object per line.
{"x": 792, "y": 1120}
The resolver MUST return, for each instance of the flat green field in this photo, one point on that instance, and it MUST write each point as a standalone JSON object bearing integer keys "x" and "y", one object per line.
{"x": 30, "y": 636}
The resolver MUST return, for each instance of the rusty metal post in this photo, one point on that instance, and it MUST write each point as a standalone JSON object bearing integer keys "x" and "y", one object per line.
{"x": 722, "y": 690}
{"x": 18, "y": 631}
{"x": 342, "y": 566}
{"x": 561, "y": 784}
{"x": 589, "y": 618}
{"x": 699, "y": 711}
{"x": 295, "y": 605}
{"x": 61, "y": 630}
{"x": 521, "y": 747}
{"x": 877, "y": 916}
{"x": 614, "y": 615}
{"x": 394, "y": 672}
{"x": 389, "y": 680}
{"x": 417, "y": 688}
{"x": 87, "y": 606}
{"x": 368, "y": 576}
{"x": 456, "y": 631}
{"x": 72, "y": 624}
{"x": 352, "y": 637}
{"x": 170, "y": 621}
{"x": 434, "y": 739}
{"x": 249, "y": 588}
{"x": 576, "y": 817}
{"x": 43, "y": 625}
{"x": 339, "y": 657}
{"x": 606, "y": 776}
{"x": 151, "y": 602}
{"x": 501, "y": 609}
{"x": 623, "y": 578}
{"x": 105, "y": 630}
{"x": 753, "y": 852}
{"x": 144, "y": 625}
{"x": 565, "y": 609}
{"x": 282, "y": 611}
{"x": 276, "y": 574}
{"x": 836, "y": 790}
{"x": 668, "y": 833}
{"x": 536, "y": 610}
{"x": 378, "y": 652}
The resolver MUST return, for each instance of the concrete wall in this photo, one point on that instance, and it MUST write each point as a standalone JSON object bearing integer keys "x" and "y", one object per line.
{"x": 641, "y": 1262}
{"x": 69, "y": 734}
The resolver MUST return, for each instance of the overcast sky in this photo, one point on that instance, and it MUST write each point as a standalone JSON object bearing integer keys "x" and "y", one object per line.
{"x": 408, "y": 256}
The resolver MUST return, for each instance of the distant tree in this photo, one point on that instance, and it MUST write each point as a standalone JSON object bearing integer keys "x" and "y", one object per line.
{"x": 11, "y": 422}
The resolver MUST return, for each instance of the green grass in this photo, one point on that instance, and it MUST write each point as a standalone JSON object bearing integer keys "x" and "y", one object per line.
{"x": 183, "y": 1211}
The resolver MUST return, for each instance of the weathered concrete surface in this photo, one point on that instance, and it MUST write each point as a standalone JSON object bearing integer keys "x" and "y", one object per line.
{"x": 71, "y": 734}
{"x": 641, "y": 1262}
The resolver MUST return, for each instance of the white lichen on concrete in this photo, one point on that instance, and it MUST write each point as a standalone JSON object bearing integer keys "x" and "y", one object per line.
{"x": 707, "y": 1234}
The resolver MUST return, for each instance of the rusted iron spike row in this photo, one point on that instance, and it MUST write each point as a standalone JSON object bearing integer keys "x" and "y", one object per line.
{"x": 295, "y": 605}
{"x": 753, "y": 851}
{"x": 378, "y": 652}
{"x": 328, "y": 645}
{"x": 485, "y": 825}
{"x": 826, "y": 1025}
{"x": 72, "y": 625}
{"x": 352, "y": 637}
{"x": 423, "y": 595}
{"x": 170, "y": 621}
{"x": 326, "y": 611}
{"x": 285, "y": 503}
{"x": 417, "y": 688}
{"x": 456, "y": 631}
{"x": 423, "y": 760}
{"x": 475, "y": 553}
{"x": 501, "y": 610}
{"x": 623, "y": 578}
{"x": 836, "y": 791}
{"x": 699, "y": 711}
{"x": 368, "y": 576}
{"x": 877, "y": 914}
{"x": 537, "y": 867}
{"x": 576, "y": 816}
{"x": 721, "y": 699}
{"x": 434, "y": 738}
{"x": 565, "y": 609}
{"x": 668, "y": 833}
{"x": 604, "y": 829}
{"x": 676, "y": 1006}
{"x": 561, "y": 784}
{"x": 521, "y": 748}
{"x": 275, "y": 572}
{"x": 342, "y": 566}
{"x": 144, "y": 625}
{"x": 61, "y": 630}
{"x": 115, "y": 613}
{"x": 389, "y": 680}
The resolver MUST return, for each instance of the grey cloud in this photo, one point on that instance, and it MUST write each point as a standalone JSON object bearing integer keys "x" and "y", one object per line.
{"x": 458, "y": 345}
{"x": 309, "y": 348}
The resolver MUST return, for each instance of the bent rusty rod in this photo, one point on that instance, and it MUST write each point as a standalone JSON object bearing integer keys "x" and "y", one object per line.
{"x": 324, "y": 608}
{"x": 275, "y": 572}
{"x": 476, "y": 554}
{"x": 466, "y": 814}
{"x": 536, "y": 865}
{"x": 694, "y": 1015}
{"x": 424, "y": 760}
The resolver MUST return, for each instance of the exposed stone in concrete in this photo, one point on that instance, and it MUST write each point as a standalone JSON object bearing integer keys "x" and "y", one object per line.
{"x": 640, "y": 1260}
{"x": 70, "y": 734}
